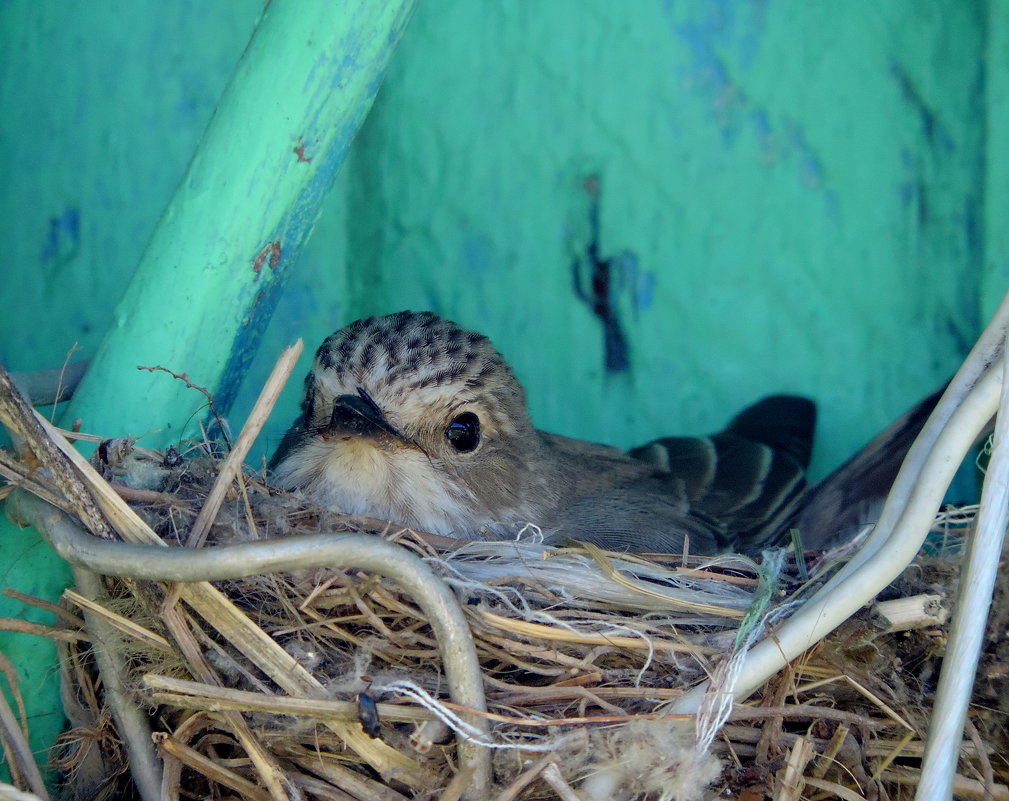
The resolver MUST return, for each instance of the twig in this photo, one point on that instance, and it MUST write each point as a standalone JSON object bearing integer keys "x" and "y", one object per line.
{"x": 524, "y": 779}
{"x": 233, "y": 464}
{"x": 136, "y": 495}
{"x": 49, "y": 387}
{"x": 218, "y": 773}
{"x": 21, "y": 474}
{"x": 107, "y": 504}
{"x": 15, "y": 740}
{"x": 40, "y": 630}
{"x": 211, "y": 697}
{"x": 834, "y": 789}
{"x": 790, "y": 781}
{"x": 356, "y": 784}
{"x": 202, "y": 390}
{"x": 266, "y": 765}
{"x": 962, "y": 787}
{"x": 916, "y": 612}
{"x": 830, "y": 752}
{"x": 16, "y": 414}
{"x": 552, "y": 776}
{"x": 864, "y": 691}
{"x": 123, "y": 624}
{"x": 894, "y": 752}
{"x": 987, "y": 773}
{"x": 131, "y": 721}
{"x": 30, "y": 600}
{"x": 459, "y": 784}
{"x": 59, "y": 384}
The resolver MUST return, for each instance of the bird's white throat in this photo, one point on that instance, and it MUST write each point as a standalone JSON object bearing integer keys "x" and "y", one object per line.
{"x": 355, "y": 476}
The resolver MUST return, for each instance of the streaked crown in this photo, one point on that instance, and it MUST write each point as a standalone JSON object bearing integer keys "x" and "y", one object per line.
{"x": 415, "y": 364}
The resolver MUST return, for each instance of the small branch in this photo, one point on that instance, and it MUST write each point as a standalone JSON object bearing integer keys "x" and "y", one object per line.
{"x": 790, "y": 782}
{"x": 21, "y": 418}
{"x": 524, "y": 779}
{"x": 987, "y": 772}
{"x": 552, "y": 776}
{"x": 62, "y": 378}
{"x": 233, "y": 464}
{"x": 962, "y": 786}
{"x": 131, "y": 721}
{"x": 123, "y": 624}
{"x": 135, "y": 495}
{"x": 21, "y": 760}
{"x": 169, "y": 746}
{"x": 61, "y": 613}
{"x": 210, "y": 398}
{"x": 40, "y": 630}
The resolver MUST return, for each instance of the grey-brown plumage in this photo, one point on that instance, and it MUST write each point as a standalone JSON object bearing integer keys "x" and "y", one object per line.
{"x": 411, "y": 418}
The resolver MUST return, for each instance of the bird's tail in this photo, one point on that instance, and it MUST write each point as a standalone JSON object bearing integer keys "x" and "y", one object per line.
{"x": 851, "y": 497}
{"x": 784, "y": 423}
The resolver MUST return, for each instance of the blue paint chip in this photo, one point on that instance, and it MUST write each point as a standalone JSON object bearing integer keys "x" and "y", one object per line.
{"x": 711, "y": 37}
{"x": 63, "y": 236}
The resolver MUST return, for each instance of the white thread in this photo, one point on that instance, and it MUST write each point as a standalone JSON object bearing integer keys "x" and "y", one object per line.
{"x": 454, "y": 722}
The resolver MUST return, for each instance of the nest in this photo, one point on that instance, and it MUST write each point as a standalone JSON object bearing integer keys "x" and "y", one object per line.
{"x": 336, "y": 683}
{"x": 582, "y": 653}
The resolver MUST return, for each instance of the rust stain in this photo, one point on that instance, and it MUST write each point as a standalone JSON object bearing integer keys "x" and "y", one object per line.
{"x": 299, "y": 151}
{"x": 268, "y": 255}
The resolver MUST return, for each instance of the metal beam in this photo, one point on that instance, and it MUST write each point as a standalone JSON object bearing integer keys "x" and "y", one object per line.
{"x": 208, "y": 280}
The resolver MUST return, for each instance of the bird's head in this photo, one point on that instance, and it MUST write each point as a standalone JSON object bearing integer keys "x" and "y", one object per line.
{"x": 411, "y": 418}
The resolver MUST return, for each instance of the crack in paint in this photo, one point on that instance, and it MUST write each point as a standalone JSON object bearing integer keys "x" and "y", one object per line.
{"x": 598, "y": 292}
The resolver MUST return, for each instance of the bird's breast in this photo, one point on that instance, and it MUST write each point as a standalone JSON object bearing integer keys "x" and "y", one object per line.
{"x": 357, "y": 476}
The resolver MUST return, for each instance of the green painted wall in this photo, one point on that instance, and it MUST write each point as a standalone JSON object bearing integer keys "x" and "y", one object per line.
{"x": 792, "y": 197}
{"x": 995, "y": 116}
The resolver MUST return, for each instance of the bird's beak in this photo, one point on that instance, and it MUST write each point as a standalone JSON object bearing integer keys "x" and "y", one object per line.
{"x": 355, "y": 417}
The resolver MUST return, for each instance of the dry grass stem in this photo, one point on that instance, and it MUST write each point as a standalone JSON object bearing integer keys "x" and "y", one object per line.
{"x": 14, "y": 737}
{"x": 232, "y": 465}
{"x": 123, "y": 624}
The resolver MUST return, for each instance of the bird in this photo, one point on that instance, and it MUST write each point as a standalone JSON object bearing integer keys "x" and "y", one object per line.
{"x": 411, "y": 418}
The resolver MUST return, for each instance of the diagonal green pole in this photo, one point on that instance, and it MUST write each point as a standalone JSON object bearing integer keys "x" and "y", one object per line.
{"x": 209, "y": 278}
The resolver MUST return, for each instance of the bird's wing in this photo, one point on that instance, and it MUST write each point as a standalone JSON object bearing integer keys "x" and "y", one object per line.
{"x": 748, "y": 477}
{"x": 646, "y": 519}
{"x": 784, "y": 423}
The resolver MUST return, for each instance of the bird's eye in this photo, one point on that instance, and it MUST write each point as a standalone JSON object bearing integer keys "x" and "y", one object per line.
{"x": 463, "y": 433}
